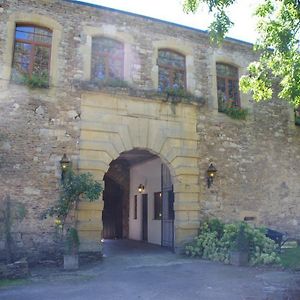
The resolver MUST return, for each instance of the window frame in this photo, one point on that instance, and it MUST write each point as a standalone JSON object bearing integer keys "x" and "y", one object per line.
{"x": 227, "y": 79}
{"x": 157, "y": 207}
{"x": 34, "y": 44}
{"x": 172, "y": 70}
{"x": 107, "y": 56}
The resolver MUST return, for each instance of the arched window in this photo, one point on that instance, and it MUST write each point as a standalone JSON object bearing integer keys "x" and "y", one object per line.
{"x": 227, "y": 86}
{"x": 107, "y": 59}
{"x": 32, "y": 52}
{"x": 171, "y": 70}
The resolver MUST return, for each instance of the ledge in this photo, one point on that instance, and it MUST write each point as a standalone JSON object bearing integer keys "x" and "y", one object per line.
{"x": 140, "y": 93}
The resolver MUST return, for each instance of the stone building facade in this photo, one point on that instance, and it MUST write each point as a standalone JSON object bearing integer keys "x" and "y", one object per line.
{"x": 258, "y": 159}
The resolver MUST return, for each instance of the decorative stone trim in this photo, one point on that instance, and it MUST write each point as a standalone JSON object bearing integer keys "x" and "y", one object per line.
{"x": 34, "y": 19}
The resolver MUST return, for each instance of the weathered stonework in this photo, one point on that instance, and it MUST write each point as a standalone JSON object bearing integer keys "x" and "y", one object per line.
{"x": 257, "y": 159}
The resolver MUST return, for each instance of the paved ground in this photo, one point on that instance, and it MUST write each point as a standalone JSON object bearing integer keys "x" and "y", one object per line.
{"x": 132, "y": 270}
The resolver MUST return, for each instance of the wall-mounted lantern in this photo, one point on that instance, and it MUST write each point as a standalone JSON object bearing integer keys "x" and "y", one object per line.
{"x": 141, "y": 188}
{"x": 64, "y": 165}
{"x": 211, "y": 173}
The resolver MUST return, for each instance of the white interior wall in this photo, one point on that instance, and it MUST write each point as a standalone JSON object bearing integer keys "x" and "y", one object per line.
{"x": 149, "y": 175}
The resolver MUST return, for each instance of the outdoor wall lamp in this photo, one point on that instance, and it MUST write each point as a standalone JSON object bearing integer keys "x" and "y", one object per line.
{"x": 211, "y": 172}
{"x": 64, "y": 165}
{"x": 141, "y": 188}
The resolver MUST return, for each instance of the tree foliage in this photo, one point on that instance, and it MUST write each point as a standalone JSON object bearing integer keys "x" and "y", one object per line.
{"x": 278, "y": 46}
{"x": 74, "y": 188}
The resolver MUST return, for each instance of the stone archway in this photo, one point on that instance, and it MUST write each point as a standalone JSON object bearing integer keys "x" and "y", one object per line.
{"x": 113, "y": 124}
{"x": 145, "y": 214}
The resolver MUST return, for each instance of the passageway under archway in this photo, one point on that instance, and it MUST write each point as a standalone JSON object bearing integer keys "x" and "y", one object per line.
{"x": 139, "y": 199}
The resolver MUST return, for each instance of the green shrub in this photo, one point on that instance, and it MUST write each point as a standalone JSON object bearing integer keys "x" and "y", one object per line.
{"x": 179, "y": 94}
{"x": 36, "y": 80}
{"x": 74, "y": 187}
{"x": 237, "y": 113}
{"x": 232, "y": 110}
{"x": 216, "y": 239}
{"x": 111, "y": 82}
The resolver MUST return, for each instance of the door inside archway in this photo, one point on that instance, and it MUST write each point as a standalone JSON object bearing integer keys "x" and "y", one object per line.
{"x": 139, "y": 199}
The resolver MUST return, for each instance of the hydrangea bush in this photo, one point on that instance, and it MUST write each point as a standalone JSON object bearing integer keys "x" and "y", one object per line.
{"x": 216, "y": 239}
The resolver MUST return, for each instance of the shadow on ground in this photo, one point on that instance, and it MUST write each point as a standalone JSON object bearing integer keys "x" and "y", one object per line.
{"x": 135, "y": 270}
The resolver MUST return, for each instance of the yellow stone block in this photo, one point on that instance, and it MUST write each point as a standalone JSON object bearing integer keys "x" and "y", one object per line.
{"x": 186, "y": 188}
{"x": 186, "y": 197}
{"x": 186, "y": 206}
{"x": 96, "y": 155}
{"x": 89, "y": 164}
{"x": 89, "y": 226}
{"x": 93, "y": 206}
{"x": 187, "y": 179}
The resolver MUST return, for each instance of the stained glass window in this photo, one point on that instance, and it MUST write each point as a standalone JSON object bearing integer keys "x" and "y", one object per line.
{"x": 107, "y": 59}
{"x": 171, "y": 70}
{"x": 32, "y": 52}
{"x": 227, "y": 86}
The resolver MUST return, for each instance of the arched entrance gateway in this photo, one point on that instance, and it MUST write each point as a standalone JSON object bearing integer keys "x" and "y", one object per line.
{"x": 128, "y": 142}
{"x": 139, "y": 199}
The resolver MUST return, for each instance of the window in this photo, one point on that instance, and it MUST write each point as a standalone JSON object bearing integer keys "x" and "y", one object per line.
{"x": 171, "y": 70}
{"x": 157, "y": 206}
{"x": 227, "y": 86}
{"x": 32, "y": 52}
{"x": 135, "y": 207}
{"x": 107, "y": 59}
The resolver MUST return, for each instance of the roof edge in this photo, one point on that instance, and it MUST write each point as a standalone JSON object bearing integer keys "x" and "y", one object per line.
{"x": 205, "y": 32}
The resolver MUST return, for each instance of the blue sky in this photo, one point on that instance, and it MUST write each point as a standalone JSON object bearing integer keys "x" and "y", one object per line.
{"x": 171, "y": 10}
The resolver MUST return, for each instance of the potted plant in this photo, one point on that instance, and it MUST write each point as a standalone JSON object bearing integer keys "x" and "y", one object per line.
{"x": 71, "y": 260}
{"x": 74, "y": 188}
{"x": 239, "y": 252}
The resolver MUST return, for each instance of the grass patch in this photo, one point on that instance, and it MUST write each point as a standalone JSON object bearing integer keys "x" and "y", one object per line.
{"x": 12, "y": 282}
{"x": 290, "y": 258}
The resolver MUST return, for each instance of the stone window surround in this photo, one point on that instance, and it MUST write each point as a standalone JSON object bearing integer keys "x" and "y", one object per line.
{"x": 176, "y": 46}
{"x": 34, "y": 44}
{"x": 38, "y": 20}
{"x": 107, "y": 31}
{"x": 244, "y": 98}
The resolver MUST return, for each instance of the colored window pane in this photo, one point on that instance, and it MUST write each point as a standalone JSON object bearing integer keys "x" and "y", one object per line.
{"x": 227, "y": 86}
{"x": 171, "y": 70}
{"x": 107, "y": 59}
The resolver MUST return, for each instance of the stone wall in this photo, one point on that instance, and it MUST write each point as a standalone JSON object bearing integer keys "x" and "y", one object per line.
{"x": 257, "y": 160}
{"x": 16, "y": 270}
{"x": 258, "y": 167}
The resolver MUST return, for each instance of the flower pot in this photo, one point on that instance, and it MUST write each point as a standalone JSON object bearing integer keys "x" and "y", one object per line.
{"x": 238, "y": 258}
{"x": 71, "y": 262}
